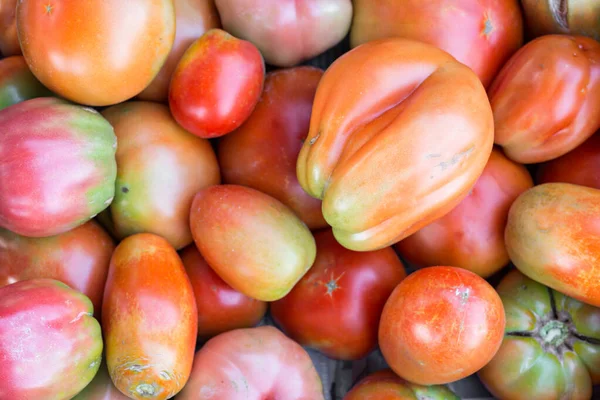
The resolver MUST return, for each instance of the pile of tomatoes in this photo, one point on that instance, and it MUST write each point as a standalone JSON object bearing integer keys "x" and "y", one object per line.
{"x": 173, "y": 172}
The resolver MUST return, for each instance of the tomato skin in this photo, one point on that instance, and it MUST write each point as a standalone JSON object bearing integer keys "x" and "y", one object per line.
{"x": 386, "y": 385}
{"x": 441, "y": 324}
{"x": 39, "y": 193}
{"x": 160, "y": 167}
{"x": 253, "y": 364}
{"x": 220, "y": 307}
{"x": 96, "y": 52}
{"x": 471, "y": 236}
{"x": 481, "y": 34}
{"x": 546, "y": 98}
{"x": 550, "y": 348}
{"x": 216, "y": 84}
{"x": 288, "y": 32}
{"x": 78, "y": 258}
{"x": 251, "y": 240}
{"x": 340, "y": 279}
{"x": 580, "y": 166}
{"x": 50, "y": 344}
{"x": 262, "y": 153}
{"x": 381, "y": 182}
{"x": 192, "y": 19}
{"x": 17, "y": 83}
{"x": 553, "y": 237}
{"x": 149, "y": 312}
{"x": 101, "y": 388}
{"x": 9, "y": 40}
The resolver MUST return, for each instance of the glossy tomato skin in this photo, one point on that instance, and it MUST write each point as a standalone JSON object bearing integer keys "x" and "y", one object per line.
{"x": 553, "y": 237}
{"x": 9, "y": 40}
{"x": 160, "y": 167}
{"x": 149, "y": 319}
{"x": 441, "y": 324}
{"x": 262, "y": 153}
{"x": 220, "y": 307}
{"x": 471, "y": 236}
{"x": 481, "y": 34}
{"x": 382, "y": 182}
{"x": 386, "y": 385}
{"x": 340, "y": 279}
{"x": 216, "y": 84}
{"x": 288, "y": 32}
{"x": 551, "y": 345}
{"x": 17, "y": 83}
{"x": 251, "y": 240}
{"x": 78, "y": 258}
{"x": 43, "y": 142}
{"x": 580, "y": 166}
{"x": 575, "y": 17}
{"x": 253, "y": 364}
{"x": 192, "y": 19}
{"x": 546, "y": 98}
{"x": 50, "y": 344}
{"x": 96, "y": 52}
{"x": 101, "y": 388}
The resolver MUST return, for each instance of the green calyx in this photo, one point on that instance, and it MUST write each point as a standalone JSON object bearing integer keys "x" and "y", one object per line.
{"x": 554, "y": 333}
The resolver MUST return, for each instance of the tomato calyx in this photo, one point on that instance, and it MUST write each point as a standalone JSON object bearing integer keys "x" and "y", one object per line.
{"x": 554, "y": 333}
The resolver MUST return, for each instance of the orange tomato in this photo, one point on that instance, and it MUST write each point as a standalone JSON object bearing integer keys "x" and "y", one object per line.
{"x": 9, "y": 40}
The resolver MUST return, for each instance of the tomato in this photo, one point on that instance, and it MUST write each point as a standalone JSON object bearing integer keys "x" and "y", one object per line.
{"x": 192, "y": 19}
{"x": 216, "y": 84}
{"x": 50, "y": 344}
{"x": 251, "y": 240}
{"x": 253, "y": 364}
{"x": 579, "y": 17}
{"x": 160, "y": 167}
{"x": 220, "y": 307}
{"x": 149, "y": 319}
{"x": 9, "y": 40}
{"x": 385, "y": 385}
{"x": 262, "y": 153}
{"x": 580, "y": 166}
{"x": 546, "y": 98}
{"x": 287, "y": 32}
{"x": 481, "y": 34}
{"x": 381, "y": 171}
{"x": 96, "y": 52}
{"x": 553, "y": 237}
{"x": 78, "y": 257}
{"x": 57, "y": 166}
{"x": 551, "y": 348}
{"x": 340, "y": 279}
{"x": 101, "y": 388}
{"x": 441, "y": 324}
{"x": 17, "y": 83}
{"x": 471, "y": 236}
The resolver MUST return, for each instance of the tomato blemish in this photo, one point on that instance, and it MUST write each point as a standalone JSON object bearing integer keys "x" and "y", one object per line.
{"x": 488, "y": 28}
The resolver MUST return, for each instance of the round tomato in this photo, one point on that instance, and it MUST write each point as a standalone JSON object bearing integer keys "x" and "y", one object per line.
{"x": 340, "y": 279}
{"x": 9, "y": 40}
{"x": 441, "y": 324}
{"x": 17, "y": 83}
{"x": 96, "y": 52}
{"x": 551, "y": 347}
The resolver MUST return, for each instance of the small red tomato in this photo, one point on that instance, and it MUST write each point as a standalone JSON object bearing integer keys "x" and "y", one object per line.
{"x": 216, "y": 84}
{"x": 359, "y": 283}
{"x": 441, "y": 324}
{"x": 220, "y": 307}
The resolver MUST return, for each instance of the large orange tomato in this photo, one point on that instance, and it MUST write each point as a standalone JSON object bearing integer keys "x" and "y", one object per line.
{"x": 96, "y": 52}
{"x": 399, "y": 133}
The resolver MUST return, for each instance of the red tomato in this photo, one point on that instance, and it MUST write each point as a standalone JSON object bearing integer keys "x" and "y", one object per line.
{"x": 96, "y": 52}
{"x": 252, "y": 364}
{"x": 441, "y": 324}
{"x": 9, "y": 40}
{"x": 335, "y": 308}
{"x": 220, "y": 307}
{"x": 216, "y": 84}
{"x": 262, "y": 153}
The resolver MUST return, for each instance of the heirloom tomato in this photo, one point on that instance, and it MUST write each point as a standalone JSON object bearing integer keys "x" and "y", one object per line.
{"x": 340, "y": 279}
{"x": 551, "y": 347}
{"x": 399, "y": 133}
{"x": 577, "y": 17}
{"x": 441, "y": 324}
{"x": 17, "y": 83}
{"x": 101, "y": 388}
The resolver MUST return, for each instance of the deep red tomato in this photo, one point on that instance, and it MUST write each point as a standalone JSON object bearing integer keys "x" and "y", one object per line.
{"x": 220, "y": 307}
{"x": 341, "y": 283}
{"x": 216, "y": 84}
{"x": 96, "y": 52}
{"x": 441, "y": 324}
